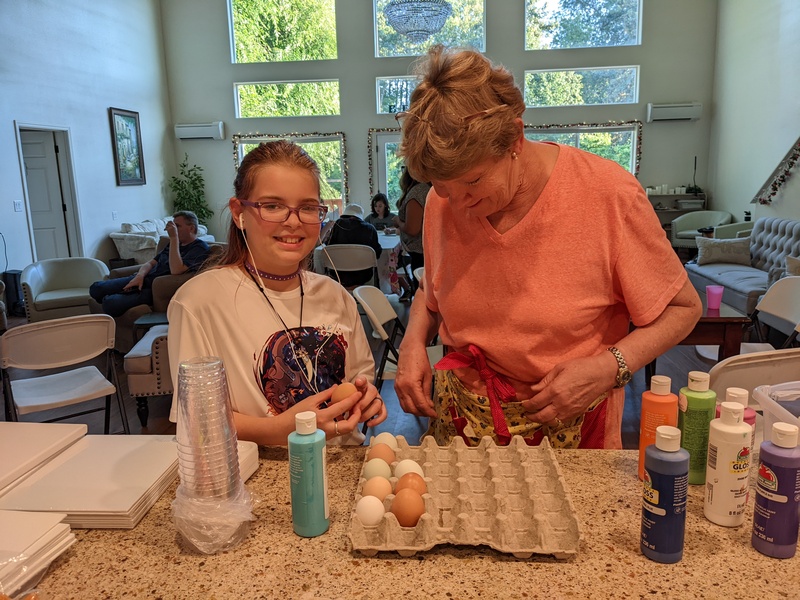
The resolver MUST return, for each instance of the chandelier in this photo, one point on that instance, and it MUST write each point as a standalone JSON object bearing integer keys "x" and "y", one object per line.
{"x": 417, "y": 19}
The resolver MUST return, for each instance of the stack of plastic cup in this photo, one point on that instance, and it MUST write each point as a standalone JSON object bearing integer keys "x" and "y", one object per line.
{"x": 212, "y": 508}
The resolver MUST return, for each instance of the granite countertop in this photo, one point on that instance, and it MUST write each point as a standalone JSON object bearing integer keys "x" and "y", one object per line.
{"x": 151, "y": 561}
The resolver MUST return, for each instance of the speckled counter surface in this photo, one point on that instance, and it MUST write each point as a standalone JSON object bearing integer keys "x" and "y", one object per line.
{"x": 151, "y": 561}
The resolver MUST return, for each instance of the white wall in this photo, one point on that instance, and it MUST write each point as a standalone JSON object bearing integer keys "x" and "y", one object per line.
{"x": 64, "y": 63}
{"x": 757, "y": 104}
{"x": 676, "y": 61}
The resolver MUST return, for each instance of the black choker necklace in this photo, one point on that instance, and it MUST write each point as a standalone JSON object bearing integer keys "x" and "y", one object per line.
{"x": 265, "y": 275}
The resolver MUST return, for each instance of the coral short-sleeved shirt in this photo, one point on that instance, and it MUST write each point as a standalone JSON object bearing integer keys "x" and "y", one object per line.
{"x": 565, "y": 282}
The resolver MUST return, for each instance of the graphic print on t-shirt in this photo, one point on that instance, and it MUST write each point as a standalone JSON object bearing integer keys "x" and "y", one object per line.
{"x": 309, "y": 360}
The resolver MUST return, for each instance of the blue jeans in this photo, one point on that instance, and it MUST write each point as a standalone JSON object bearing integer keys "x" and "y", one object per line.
{"x": 116, "y": 302}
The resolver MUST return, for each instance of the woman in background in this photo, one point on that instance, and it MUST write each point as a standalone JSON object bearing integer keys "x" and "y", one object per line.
{"x": 380, "y": 216}
{"x": 410, "y": 217}
{"x": 286, "y": 336}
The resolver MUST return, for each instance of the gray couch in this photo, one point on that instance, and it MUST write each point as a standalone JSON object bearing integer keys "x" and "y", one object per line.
{"x": 771, "y": 241}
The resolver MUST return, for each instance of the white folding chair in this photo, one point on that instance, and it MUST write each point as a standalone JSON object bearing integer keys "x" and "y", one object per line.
{"x": 748, "y": 371}
{"x": 381, "y": 314}
{"x": 56, "y": 344}
{"x": 419, "y": 273}
{"x": 349, "y": 257}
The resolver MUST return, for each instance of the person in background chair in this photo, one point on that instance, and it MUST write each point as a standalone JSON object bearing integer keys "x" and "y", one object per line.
{"x": 183, "y": 253}
{"x": 351, "y": 228}
{"x": 380, "y": 217}
{"x": 409, "y": 220}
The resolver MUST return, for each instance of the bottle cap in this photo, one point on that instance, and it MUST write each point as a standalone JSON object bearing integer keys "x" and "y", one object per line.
{"x": 740, "y": 395}
{"x": 698, "y": 381}
{"x": 305, "y": 422}
{"x": 784, "y": 435}
{"x": 668, "y": 438}
{"x": 731, "y": 413}
{"x": 660, "y": 385}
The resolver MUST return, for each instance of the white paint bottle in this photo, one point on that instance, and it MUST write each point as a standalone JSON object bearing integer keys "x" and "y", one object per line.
{"x": 728, "y": 467}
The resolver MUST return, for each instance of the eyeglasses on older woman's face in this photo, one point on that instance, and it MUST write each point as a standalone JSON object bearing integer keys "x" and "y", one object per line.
{"x": 277, "y": 212}
{"x": 402, "y": 116}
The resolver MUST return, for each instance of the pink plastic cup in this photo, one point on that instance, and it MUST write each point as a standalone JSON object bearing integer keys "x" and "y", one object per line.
{"x": 714, "y": 296}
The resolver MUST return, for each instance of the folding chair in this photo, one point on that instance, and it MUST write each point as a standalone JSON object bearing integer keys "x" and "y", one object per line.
{"x": 380, "y": 314}
{"x": 56, "y": 344}
{"x": 349, "y": 257}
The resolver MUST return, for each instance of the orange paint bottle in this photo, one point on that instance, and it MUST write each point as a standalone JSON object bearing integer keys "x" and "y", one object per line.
{"x": 659, "y": 407}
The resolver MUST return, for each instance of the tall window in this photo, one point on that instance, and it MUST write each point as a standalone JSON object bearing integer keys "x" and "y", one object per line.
{"x": 287, "y": 99}
{"x": 620, "y": 142}
{"x": 555, "y": 24}
{"x": 289, "y": 30}
{"x": 465, "y": 26}
{"x": 582, "y": 87}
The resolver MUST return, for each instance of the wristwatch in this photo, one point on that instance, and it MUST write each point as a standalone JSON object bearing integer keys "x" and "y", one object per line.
{"x": 624, "y": 374}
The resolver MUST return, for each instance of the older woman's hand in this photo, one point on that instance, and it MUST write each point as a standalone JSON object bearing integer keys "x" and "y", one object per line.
{"x": 569, "y": 389}
{"x": 413, "y": 381}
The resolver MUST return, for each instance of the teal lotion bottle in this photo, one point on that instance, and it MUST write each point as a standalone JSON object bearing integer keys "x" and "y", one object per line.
{"x": 776, "y": 516}
{"x": 696, "y": 407}
{"x": 308, "y": 476}
{"x": 728, "y": 467}
{"x": 742, "y": 396}
{"x": 664, "y": 492}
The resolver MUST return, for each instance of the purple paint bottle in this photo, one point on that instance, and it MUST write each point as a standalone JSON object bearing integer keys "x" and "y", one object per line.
{"x": 776, "y": 518}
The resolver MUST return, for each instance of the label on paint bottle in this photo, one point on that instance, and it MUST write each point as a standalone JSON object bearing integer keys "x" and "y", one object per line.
{"x": 663, "y": 512}
{"x": 775, "y": 515}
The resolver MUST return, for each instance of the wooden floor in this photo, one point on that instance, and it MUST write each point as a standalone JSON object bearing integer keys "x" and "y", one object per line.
{"x": 676, "y": 364}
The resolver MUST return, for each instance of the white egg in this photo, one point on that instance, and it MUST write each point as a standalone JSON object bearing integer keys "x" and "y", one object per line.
{"x": 377, "y": 467}
{"x": 385, "y": 438}
{"x": 370, "y": 510}
{"x": 407, "y": 466}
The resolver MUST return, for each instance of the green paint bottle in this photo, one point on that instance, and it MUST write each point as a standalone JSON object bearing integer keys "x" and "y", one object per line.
{"x": 696, "y": 408}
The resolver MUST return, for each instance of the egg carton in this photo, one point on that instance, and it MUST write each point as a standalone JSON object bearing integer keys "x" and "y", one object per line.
{"x": 511, "y": 498}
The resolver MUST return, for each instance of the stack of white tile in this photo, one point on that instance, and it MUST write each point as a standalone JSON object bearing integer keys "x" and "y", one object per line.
{"x": 29, "y": 543}
{"x": 107, "y": 482}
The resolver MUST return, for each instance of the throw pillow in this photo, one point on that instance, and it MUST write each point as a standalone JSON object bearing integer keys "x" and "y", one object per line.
{"x": 711, "y": 250}
{"x": 792, "y": 265}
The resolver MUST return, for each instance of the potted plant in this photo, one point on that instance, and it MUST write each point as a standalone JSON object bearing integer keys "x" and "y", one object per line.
{"x": 190, "y": 190}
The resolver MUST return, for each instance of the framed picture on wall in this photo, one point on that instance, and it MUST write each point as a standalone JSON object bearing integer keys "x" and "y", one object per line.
{"x": 126, "y": 140}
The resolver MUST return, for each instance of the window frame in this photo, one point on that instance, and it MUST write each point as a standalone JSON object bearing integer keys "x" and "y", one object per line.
{"x": 238, "y": 108}
{"x": 636, "y": 85}
{"x": 240, "y": 139}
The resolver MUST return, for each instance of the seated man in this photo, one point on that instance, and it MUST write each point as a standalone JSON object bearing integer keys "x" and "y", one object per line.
{"x": 351, "y": 228}
{"x": 183, "y": 253}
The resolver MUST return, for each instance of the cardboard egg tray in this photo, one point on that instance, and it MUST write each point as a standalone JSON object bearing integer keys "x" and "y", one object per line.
{"x": 511, "y": 498}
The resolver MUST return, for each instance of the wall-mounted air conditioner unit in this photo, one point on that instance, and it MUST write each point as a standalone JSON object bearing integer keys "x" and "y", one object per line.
{"x": 200, "y": 131}
{"x": 684, "y": 111}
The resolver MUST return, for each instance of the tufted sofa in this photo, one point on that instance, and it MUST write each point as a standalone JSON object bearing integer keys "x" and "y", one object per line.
{"x": 138, "y": 241}
{"x": 771, "y": 241}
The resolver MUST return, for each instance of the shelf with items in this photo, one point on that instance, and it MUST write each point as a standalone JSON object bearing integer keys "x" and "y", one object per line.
{"x": 669, "y": 207}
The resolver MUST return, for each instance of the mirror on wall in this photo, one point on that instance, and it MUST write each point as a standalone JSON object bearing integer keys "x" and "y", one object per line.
{"x": 328, "y": 150}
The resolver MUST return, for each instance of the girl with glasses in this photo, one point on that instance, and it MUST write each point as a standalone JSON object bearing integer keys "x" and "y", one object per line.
{"x": 538, "y": 257}
{"x": 286, "y": 335}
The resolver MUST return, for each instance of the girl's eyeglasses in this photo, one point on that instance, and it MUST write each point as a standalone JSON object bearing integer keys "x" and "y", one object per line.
{"x": 276, "y": 212}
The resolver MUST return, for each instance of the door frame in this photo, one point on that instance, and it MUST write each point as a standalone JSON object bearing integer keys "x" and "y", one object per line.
{"x": 66, "y": 174}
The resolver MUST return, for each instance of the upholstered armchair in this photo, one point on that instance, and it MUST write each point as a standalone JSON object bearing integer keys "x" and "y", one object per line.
{"x": 147, "y": 368}
{"x": 59, "y": 287}
{"x": 683, "y": 230}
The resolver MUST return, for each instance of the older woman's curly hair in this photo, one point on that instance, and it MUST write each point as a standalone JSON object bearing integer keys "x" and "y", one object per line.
{"x": 444, "y": 134}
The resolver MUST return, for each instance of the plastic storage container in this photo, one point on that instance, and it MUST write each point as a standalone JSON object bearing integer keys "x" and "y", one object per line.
{"x": 780, "y": 403}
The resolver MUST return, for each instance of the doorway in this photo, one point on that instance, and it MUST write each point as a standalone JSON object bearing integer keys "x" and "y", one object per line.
{"x": 49, "y": 192}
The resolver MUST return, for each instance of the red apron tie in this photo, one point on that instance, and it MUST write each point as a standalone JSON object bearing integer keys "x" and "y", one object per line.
{"x": 497, "y": 388}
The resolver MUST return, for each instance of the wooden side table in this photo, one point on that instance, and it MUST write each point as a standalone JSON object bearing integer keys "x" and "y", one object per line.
{"x": 145, "y": 322}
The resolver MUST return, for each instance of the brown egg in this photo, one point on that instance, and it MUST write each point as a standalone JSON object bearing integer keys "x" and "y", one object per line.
{"x": 408, "y": 506}
{"x": 382, "y": 451}
{"x": 380, "y": 487}
{"x": 343, "y": 391}
{"x": 411, "y": 481}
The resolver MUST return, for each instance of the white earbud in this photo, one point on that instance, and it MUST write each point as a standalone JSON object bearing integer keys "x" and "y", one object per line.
{"x": 241, "y": 222}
